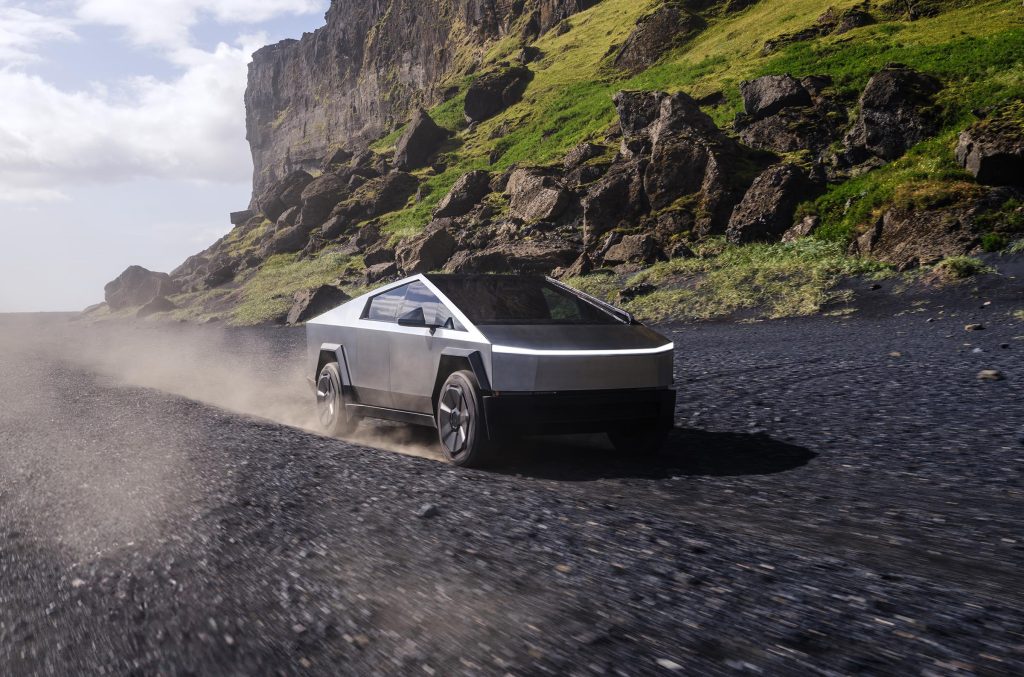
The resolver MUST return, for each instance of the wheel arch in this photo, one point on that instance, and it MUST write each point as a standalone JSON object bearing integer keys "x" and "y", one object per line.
{"x": 453, "y": 360}
{"x": 333, "y": 352}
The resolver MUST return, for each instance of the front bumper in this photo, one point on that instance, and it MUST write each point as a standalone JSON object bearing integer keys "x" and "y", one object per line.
{"x": 510, "y": 414}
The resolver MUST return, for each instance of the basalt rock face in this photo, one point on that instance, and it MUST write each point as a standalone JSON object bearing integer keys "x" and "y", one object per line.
{"x": 367, "y": 70}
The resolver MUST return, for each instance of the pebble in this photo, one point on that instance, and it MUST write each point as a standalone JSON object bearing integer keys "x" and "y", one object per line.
{"x": 977, "y": 326}
{"x": 990, "y": 375}
{"x": 427, "y": 510}
{"x": 668, "y": 665}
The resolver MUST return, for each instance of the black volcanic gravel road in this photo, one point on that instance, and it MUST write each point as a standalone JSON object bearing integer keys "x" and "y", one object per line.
{"x": 841, "y": 495}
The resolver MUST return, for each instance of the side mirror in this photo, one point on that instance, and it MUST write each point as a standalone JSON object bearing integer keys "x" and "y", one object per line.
{"x": 413, "y": 318}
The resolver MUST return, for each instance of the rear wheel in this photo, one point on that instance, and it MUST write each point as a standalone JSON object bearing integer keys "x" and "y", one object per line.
{"x": 638, "y": 443}
{"x": 460, "y": 425}
{"x": 330, "y": 403}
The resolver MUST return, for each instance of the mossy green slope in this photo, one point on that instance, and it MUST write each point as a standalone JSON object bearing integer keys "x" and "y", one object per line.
{"x": 975, "y": 48}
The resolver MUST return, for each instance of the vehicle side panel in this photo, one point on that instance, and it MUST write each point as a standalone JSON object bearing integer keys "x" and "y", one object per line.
{"x": 415, "y": 359}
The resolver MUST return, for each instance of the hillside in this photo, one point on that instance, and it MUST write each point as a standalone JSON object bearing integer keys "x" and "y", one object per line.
{"x": 687, "y": 158}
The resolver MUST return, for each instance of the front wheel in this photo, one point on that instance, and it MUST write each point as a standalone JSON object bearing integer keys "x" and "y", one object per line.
{"x": 330, "y": 403}
{"x": 460, "y": 425}
{"x": 638, "y": 443}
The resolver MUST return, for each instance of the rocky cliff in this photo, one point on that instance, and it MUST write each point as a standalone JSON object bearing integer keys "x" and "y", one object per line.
{"x": 364, "y": 72}
{"x": 685, "y": 158}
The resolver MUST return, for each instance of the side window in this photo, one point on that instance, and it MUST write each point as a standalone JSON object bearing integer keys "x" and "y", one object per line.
{"x": 384, "y": 307}
{"x": 435, "y": 312}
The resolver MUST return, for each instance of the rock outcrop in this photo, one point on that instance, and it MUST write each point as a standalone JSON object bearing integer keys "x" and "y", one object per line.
{"x": 464, "y": 195}
{"x": 137, "y": 286}
{"x": 655, "y": 34}
{"x": 367, "y": 70}
{"x": 766, "y": 211}
{"x": 908, "y": 237}
{"x": 315, "y": 302}
{"x": 422, "y": 138}
{"x": 993, "y": 149}
{"x": 495, "y": 91}
{"x": 897, "y": 111}
{"x": 535, "y": 196}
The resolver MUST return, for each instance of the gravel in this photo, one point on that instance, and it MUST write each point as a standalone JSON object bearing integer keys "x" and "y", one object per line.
{"x": 841, "y": 495}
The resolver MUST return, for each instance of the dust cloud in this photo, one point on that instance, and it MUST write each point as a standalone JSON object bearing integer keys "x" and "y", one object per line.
{"x": 103, "y": 469}
{"x": 256, "y": 372}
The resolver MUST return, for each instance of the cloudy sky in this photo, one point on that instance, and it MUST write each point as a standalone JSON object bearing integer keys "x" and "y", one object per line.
{"x": 122, "y": 135}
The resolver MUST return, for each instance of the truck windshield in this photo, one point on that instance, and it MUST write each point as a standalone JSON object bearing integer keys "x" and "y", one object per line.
{"x": 510, "y": 299}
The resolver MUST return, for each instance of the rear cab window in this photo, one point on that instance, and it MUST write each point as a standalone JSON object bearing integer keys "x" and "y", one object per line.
{"x": 519, "y": 300}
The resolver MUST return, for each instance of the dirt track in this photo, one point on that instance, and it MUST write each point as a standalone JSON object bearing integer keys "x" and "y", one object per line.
{"x": 840, "y": 496}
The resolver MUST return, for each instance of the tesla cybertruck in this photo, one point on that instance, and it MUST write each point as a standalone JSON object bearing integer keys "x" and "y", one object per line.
{"x": 485, "y": 357}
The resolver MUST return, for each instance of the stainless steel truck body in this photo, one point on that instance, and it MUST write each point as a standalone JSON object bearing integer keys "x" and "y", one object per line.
{"x": 483, "y": 357}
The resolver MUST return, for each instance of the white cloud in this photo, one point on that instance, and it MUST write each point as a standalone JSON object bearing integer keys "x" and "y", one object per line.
{"x": 167, "y": 23}
{"x": 23, "y": 31}
{"x": 190, "y": 128}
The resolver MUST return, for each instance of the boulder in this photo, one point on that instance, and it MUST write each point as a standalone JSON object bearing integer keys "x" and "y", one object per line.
{"x": 897, "y": 111}
{"x": 161, "y": 304}
{"x": 521, "y": 256}
{"x": 285, "y": 241}
{"x": 640, "y": 248}
{"x": 467, "y": 193}
{"x": 378, "y": 254}
{"x": 584, "y": 152}
{"x": 320, "y": 197}
{"x": 495, "y": 91}
{"x": 769, "y": 94}
{"x": 615, "y": 198}
{"x": 802, "y": 228}
{"x": 794, "y": 129}
{"x": 137, "y": 286}
{"x": 766, "y": 211}
{"x": 312, "y": 303}
{"x": 242, "y": 217}
{"x": 855, "y": 17}
{"x": 583, "y": 265}
{"x": 907, "y": 237}
{"x": 535, "y": 196}
{"x": 427, "y": 252}
{"x": 992, "y": 150}
{"x": 287, "y": 218}
{"x": 366, "y": 237}
{"x": 336, "y": 159}
{"x": 376, "y": 197}
{"x": 637, "y": 112}
{"x": 655, "y": 34}
{"x": 283, "y": 194}
{"x": 220, "y": 273}
{"x": 421, "y": 139}
{"x": 381, "y": 271}
{"x": 336, "y": 227}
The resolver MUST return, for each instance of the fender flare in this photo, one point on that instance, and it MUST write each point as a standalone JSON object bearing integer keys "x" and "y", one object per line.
{"x": 337, "y": 352}
{"x": 476, "y": 363}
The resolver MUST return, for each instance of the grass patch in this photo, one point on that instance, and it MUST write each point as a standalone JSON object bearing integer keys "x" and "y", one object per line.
{"x": 961, "y": 267}
{"x": 267, "y": 294}
{"x": 764, "y": 280}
